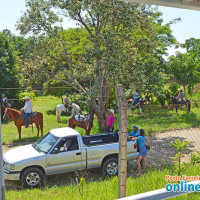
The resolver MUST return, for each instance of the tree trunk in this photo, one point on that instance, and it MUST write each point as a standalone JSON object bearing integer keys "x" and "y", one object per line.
{"x": 184, "y": 88}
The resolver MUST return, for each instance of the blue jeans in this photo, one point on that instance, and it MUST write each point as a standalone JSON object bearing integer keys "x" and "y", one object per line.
{"x": 180, "y": 101}
{"x": 108, "y": 129}
{"x": 26, "y": 115}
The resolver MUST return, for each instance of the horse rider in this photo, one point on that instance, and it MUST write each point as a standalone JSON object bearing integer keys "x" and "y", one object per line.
{"x": 180, "y": 97}
{"x": 27, "y": 110}
{"x": 4, "y": 100}
{"x": 66, "y": 99}
{"x": 135, "y": 97}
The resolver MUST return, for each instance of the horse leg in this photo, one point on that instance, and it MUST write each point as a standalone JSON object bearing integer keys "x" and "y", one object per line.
{"x": 37, "y": 126}
{"x": 19, "y": 131}
{"x": 87, "y": 131}
{"x": 177, "y": 111}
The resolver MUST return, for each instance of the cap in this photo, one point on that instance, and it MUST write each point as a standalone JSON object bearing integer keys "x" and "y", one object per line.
{"x": 136, "y": 127}
{"x": 112, "y": 111}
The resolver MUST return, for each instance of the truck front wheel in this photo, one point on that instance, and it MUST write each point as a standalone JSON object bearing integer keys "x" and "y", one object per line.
{"x": 110, "y": 167}
{"x": 32, "y": 178}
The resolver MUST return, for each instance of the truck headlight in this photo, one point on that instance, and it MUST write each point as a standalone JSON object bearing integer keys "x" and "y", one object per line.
{"x": 9, "y": 166}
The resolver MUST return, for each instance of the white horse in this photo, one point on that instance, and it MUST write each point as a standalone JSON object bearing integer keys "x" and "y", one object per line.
{"x": 61, "y": 107}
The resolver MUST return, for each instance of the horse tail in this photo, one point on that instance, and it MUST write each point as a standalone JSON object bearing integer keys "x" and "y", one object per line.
{"x": 57, "y": 113}
{"x": 41, "y": 124}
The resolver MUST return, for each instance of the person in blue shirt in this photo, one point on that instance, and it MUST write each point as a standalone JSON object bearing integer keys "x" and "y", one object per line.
{"x": 134, "y": 133}
{"x": 141, "y": 141}
{"x": 135, "y": 97}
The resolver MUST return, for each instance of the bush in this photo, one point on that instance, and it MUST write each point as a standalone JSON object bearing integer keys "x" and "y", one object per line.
{"x": 29, "y": 92}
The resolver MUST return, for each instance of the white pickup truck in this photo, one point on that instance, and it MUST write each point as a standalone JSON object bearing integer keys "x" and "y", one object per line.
{"x": 64, "y": 150}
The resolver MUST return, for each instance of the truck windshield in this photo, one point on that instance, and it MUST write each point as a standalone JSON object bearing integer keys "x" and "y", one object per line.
{"x": 45, "y": 143}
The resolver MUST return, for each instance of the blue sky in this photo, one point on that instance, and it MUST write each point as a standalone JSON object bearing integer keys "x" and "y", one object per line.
{"x": 11, "y": 10}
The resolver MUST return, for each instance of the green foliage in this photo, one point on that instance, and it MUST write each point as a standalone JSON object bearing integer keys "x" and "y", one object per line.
{"x": 29, "y": 92}
{"x": 181, "y": 148}
{"x": 50, "y": 90}
{"x": 117, "y": 42}
{"x": 174, "y": 89}
{"x": 9, "y": 63}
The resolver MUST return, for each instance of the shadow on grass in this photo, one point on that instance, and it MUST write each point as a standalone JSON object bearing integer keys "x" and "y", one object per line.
{"x": 53, "y": 112}
{"x": 26, "y": 140}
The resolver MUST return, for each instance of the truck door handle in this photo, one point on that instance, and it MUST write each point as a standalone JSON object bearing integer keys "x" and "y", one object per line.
{"x": 79, "y": 153}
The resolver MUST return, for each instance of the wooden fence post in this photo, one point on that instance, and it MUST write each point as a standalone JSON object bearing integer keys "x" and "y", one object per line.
{"x": 2, "y": 185}
{"x": 123, "y": 125}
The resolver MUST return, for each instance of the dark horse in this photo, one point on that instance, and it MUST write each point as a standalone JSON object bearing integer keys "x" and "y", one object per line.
{"x": 86, "y": 124}
{"x": 176, "y": 104}
{"x": 19, "y": 120}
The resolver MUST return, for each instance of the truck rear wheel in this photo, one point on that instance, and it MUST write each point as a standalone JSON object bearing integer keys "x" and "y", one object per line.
{"x": 32, "y": 178}
{"x": 110, "y": 167}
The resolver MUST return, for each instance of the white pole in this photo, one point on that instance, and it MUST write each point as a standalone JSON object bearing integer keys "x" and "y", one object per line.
{"x": 2, "y": 185}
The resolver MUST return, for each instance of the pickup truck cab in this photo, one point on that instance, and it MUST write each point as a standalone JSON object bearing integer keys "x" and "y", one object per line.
{"x": 64, "y": 150}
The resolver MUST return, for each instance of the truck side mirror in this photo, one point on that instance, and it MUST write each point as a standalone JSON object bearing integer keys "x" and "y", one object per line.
{"x": 55, "y": 151}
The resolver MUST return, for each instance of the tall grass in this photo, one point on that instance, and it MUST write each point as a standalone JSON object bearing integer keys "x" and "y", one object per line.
{"x": 107, "y": 189}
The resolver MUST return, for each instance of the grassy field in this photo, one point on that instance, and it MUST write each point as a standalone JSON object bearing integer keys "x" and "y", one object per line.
{"x": 107, "y": 189}
{"x": 154, "y": 119}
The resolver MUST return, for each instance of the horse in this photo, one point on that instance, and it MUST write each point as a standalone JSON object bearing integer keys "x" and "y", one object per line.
{"x": 140, "y": 104}
{"x": 176, "y": 104}
{"x": 66, "y": 108}
{"x": 86, "y": 124}
{"x": 19, "y": 120}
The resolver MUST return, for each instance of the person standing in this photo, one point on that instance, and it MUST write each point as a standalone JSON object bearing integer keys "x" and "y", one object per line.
{"x": 4, "y": 100}
{"x": 110, "y": 120}
{"x": 141, "y": 141}
{"x": 75, "y": 109}
{"x": 27, "y": 110}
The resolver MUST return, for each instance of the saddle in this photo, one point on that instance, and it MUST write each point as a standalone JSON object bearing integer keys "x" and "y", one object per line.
{"x": 81, "y": 118}
{"x": 31, "y": 115}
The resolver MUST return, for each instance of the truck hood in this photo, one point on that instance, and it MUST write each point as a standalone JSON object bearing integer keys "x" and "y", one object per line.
{"x": 21, "y": 153}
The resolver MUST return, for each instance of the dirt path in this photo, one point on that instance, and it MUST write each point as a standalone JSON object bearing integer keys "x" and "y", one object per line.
{"x": 161, "y": 149}
{"x": 160, "y": 154}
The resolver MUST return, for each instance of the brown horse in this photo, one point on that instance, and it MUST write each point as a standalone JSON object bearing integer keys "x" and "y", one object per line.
{"x": 87, "y": 124}
{"x": 141, "y": 102}
{"x": 176, "y": 104}
{"x": 19, "y": 120}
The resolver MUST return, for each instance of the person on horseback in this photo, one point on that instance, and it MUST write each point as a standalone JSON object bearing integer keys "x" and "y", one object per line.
{"x": 66, "y": 100}
{"x": 27, "y": 110}
{"x": 4, "y": 100}
{"x": 180, "y": 97}
{"x": 135, "y": 97}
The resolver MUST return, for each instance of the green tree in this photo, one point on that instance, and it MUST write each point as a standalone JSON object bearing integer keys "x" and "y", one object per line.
{"x": 185, "y": 68}
{"x": 9, "y": 63}
{"x": 116, "y": 34}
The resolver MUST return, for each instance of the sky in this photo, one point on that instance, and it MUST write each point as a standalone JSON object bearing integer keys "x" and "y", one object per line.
{"x": 11, "y": 10}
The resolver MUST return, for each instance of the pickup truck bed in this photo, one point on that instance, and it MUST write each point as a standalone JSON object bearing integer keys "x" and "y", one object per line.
{"x": 99, "y": 139}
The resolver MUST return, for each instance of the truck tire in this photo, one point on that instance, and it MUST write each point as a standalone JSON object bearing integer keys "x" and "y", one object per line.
{"x": 32, "y": 178}
{"x": 110, "y": 167}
